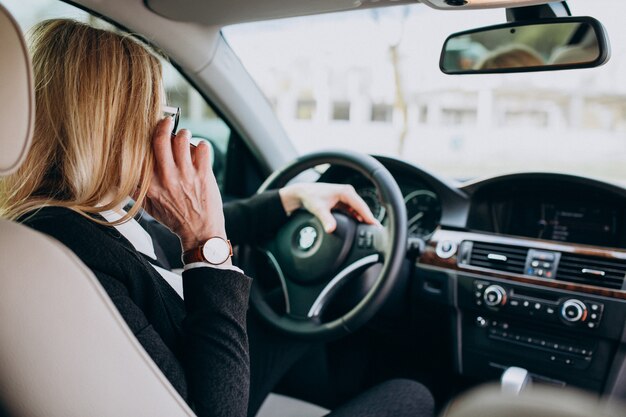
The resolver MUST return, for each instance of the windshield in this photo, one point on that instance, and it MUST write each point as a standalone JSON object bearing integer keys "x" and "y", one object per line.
{"x": 369, "y": 80}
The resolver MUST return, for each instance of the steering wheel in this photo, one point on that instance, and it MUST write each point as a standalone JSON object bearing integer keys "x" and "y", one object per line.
{"x": 313, "y": 265}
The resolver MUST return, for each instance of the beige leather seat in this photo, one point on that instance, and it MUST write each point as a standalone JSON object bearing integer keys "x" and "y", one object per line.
{"x": 537, "y": 401}
{"x": 64, "y": 349}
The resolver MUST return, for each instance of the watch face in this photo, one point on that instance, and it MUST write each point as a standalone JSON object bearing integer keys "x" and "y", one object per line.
{"x": 216, "y": 251}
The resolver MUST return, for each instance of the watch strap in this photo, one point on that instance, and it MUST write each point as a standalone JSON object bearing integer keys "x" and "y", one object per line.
{"x": 197, "y": 254}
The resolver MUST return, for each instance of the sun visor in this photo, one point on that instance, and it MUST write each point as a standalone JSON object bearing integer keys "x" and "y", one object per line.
{"x": 219, "y": 12}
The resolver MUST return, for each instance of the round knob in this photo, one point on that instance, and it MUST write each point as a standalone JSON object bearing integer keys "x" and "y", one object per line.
{"x": 574, "y": 311}
{"x": 446, "y": 249}
{"x": 494, "y": 296}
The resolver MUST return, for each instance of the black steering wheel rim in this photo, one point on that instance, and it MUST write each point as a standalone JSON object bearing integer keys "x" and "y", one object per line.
{"x": 394, "y": 252}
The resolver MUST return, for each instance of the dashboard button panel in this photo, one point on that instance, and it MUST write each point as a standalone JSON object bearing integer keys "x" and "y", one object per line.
{"x": 566, "y": 311}
{"x": 556, "y": 351}
{"x": 541, "y": 263}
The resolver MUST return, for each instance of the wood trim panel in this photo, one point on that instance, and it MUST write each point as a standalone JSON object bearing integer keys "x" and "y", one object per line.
{"x": 430, "y": 258}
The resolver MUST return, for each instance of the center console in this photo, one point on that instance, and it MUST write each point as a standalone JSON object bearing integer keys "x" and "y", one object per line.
{"x": 555, "y": 309}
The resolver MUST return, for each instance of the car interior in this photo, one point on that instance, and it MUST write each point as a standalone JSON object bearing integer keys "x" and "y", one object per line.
{"x": 504, "y": 294}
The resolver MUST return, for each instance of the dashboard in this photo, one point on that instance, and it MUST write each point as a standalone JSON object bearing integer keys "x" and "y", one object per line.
{"x": 423, "y": 202}
{"x": 531, "y": 266}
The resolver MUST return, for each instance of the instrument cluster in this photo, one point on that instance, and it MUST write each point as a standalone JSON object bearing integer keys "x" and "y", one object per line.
{"x": 423, "y": 208}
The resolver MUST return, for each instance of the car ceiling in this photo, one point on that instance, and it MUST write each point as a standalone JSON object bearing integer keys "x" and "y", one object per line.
{"x": 220, "y": 13}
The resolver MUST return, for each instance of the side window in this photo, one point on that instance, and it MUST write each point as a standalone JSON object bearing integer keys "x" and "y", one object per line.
{"x": 198, "y": 117}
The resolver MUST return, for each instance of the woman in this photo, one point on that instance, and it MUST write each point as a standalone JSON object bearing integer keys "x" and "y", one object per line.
{"x": 99, "y": 138}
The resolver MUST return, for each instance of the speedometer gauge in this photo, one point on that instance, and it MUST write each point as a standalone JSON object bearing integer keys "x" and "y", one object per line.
{"x": 371, "y": 198}
{"x": 424, "y": 212}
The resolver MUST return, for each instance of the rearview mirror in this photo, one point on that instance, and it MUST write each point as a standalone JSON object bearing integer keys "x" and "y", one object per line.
{"x": 539, "y": 45}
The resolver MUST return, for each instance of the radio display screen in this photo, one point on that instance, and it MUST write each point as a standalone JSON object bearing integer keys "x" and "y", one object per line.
{"x": 568, "y": 222}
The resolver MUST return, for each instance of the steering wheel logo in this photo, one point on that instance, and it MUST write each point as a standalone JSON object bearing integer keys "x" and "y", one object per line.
{"x": 307, "y": 237}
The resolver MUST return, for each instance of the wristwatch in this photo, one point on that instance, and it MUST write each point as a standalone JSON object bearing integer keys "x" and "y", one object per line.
{"x": 215, "y": 251}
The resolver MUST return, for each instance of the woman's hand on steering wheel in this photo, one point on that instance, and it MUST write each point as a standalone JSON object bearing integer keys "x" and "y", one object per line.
{"x": 320, "y": 198}
{"x": 313, "y": 266}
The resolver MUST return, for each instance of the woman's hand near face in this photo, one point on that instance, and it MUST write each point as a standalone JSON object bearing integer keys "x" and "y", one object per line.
{"x": 320, "y": 198}
{"x": 183, "y": 194}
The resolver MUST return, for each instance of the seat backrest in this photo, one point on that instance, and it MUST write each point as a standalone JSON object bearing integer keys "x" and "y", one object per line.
{"x": 64, "y": 349}
{"x": 538, "y": 401}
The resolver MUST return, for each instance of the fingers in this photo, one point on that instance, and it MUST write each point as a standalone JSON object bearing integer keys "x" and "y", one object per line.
{"x": 350, "y": 197}
{"x": 325, "y": 217}
{"x": 202, "y": 158}
{"x": 181, "y": 151}
{"x": 163, "y": 148}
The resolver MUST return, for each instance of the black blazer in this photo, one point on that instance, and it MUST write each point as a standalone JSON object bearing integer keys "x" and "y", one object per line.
{"x": 200, "y": 344}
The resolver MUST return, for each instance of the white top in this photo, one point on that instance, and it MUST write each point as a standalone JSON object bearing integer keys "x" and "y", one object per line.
{"x": 142, "y": 242}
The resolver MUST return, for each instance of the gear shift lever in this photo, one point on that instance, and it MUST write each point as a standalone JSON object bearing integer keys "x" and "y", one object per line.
{"x": 514, "y": 380}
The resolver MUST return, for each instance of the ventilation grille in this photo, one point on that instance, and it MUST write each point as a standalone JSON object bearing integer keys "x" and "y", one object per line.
{"x": 500, "y": 257}
{"x": 591, "y": 270}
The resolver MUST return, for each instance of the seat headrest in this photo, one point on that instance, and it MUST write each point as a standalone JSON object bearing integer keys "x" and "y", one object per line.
{"x": 17, "y": 95}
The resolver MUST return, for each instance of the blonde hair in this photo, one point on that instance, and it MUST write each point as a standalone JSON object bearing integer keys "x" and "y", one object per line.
{"x": 98, "y": 97}
{"x": 511, "y": 57}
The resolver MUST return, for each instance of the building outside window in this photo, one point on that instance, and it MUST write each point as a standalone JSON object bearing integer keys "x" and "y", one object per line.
{"x": 382, "y": 113}
{"x": 341, "y": 110}
{"x": 305, "y": 109}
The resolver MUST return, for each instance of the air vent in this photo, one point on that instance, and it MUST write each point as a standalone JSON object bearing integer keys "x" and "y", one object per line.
{"x": 591, "y": 270}
{"x": 500, "y": 257}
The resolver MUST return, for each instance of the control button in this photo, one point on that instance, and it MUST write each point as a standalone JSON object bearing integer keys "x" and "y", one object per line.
{"x": 526, "y": 304}
{"x": 514, "y": 303}
{"x": 540, "y": 272}
{"x": 591, "y": 325}
{"x": 574, "y": 311}
{"x": 480, "y": 286}
{"x": 534, "y": 264}
{"x": 593, "y": 316}
{"x": 594, "y": 307}
{"x": 549, "y": 274}
{"x": 550, "y": 310}
{"x": 546, "y": 265}
{"x": 446, "y": 249}
{"x": 481, "y": 322}
{"x": 537, "y": 306}
{"x": 495, "y": 296}
{"x": 477, "y": 294}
